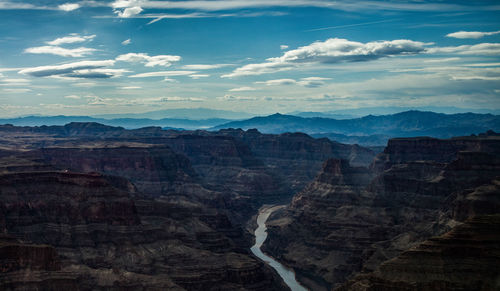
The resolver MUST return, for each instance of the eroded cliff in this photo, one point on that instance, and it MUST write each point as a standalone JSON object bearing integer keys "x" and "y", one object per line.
{"x": 349, "y": 220}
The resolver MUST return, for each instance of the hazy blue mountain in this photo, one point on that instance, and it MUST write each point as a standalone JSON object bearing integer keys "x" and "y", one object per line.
{"x": 183, "y": 113}
{"x": 308, "y": 114}
{"x": 380, "y": 128}
{"x": 129, "y": 123}
{"x": 360, "y": 112}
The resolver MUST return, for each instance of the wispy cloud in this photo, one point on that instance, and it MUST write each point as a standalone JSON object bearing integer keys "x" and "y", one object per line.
{"x": 72, "y": 38}
{"x": 278, "y": 82}
{"x": 352, "y": 25}
{"x": 471, "y": 34}
{"x": 68, "y": 6}
{"x": 128, "y": 8}
{"x": 17, "y": 90}
{"x": 229, "y": 97}
{"x": 129, "y": 12}
{"x": 241, "y": 89}
{"x": 60, "y": 51}
{"x": 84, "y": 84}
{"x": 54, "y": 47}
{"x": 163, "y": 74}
{"x": 149, "y": 61}
{"x": 219, "y": 5}
{"x": 198, "y": 76}
{"x": 14, "y": 82}
{"x": 126, "y": 42}
{"x": 8, "y": 5}
{"x": 333, "y": 50}
{"x": 204, "y": 67}
{"x": 310, "y": 82}
{"x": 130, "y": 87}
{"x": 83, "y": 69}
{"x": 477, "y": 49}
{"x": 483, "y": 78}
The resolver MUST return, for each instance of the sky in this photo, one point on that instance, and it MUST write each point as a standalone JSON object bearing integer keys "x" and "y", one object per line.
{"x": 131, "y": 56}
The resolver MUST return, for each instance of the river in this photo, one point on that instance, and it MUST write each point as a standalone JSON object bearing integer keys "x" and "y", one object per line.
{"x": 260, "y": 236}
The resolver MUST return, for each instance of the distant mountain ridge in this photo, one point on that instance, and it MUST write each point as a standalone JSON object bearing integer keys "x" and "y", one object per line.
{"x": 369, "y": 130}
{"x": 130, "y": 123}
{"x": 182, "y": 113}
{"x": 404, "y": 124}
{"x": 386, "y": 110}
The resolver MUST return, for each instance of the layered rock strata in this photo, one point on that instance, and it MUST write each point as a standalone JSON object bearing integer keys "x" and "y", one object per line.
{"x": 350, "y": 220}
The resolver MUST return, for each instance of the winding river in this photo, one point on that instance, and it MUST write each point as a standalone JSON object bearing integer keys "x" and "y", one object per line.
{"x": 260, "y": 236}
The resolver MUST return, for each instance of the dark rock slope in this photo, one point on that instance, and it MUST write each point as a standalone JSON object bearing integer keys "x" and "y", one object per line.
{"x": 466, "y": 258}
{"x": 112, "y": 209}
{"x": 87, "y": 231}
{"x": 350, "y": 220}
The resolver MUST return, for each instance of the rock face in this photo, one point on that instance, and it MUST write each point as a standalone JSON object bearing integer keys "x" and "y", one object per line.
{"x": 148, "y": 209}
{"x": 297, "y": 157}
{"x": 466, "y": 258}
{"x": 349, "y": 220}
{"x": 155, "y": 170}
{"x": 88, "y": 229}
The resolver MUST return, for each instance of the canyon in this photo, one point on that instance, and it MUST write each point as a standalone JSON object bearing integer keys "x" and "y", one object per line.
{"x": 413, "y": 220}
{"x": 94, "y": 207}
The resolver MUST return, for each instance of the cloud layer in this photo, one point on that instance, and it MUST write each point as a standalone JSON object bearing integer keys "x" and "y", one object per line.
{"x": 471, "y": 34}
{"x": 60, "y": 51}
{"x": 149, "y": 61}
{"x": 333, "y": 50}
{"x": 72, "y": 38}
{"x": 83, "y": 69}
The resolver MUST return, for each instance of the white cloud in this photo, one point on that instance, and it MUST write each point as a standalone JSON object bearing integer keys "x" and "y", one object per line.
{"x": 483, "y": 65}
{"x": 84, "y": 84}
{"x": 183, "y": 99}
{"x": 283, "y": 47}
{"x": 313, "y": 82}
{"x": 198, "y": 76}
{"x": 149, "y": 61}
{"x": 129, "y": 12}
{"x": 483, "y": 78}
{"x": 477, "y": 49}
{"x": 240, "y": 89}
{"x": 228, "y": 97}
{"x": 126, "y": 42}
{"x": 159, "y": 100}
{"x": 163, "y": 74}
{"x": 471, "y": 34}
{"x": 83, "y": 69}
{"x": 442, "y": 60}
{"x": 204, "y": 67}
{"x": 217, "y": 5}
{"x": 310, "y": 82}
{"x": 72, "y": 38}
{"x": 69, "y": 6}
{"x": 59, "y": 51}
{"x": 333, "y": 50}
{"x": 7, "y": 5}
{"x": 14, "y": 82}
{"x": 278, "y": 82}
{"x": 170, "y": 80}
{"x": 17, "y": 90}
{"x": 97, "y": 73}
{"x": 130, "y": 88}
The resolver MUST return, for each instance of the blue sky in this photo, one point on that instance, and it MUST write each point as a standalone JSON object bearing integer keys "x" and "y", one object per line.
{"x": 96, "y": 57}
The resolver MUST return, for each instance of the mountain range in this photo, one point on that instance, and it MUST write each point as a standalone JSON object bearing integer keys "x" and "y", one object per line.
{"x": 369, "y": 130}
{"x": 374, "y": 130}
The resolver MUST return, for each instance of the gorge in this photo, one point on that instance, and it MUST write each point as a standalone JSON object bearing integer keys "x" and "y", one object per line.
{"x": 94, "y": 207}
